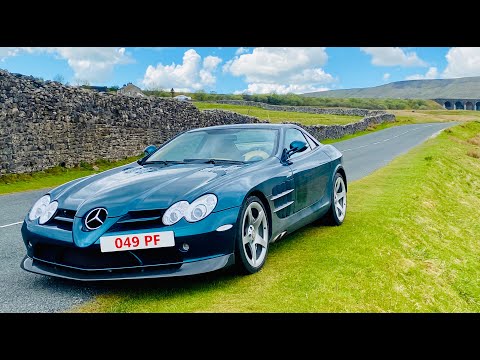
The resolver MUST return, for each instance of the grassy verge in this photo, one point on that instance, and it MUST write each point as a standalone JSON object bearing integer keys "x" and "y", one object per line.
{"x": 56, "y": 176}
{"x": 409, "y": 244}
{"x": 280, "y": 116}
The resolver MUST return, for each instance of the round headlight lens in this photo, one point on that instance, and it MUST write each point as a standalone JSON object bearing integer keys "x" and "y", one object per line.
{"x": 39, "y": 207}
{"x": 175, "y": 212}
{"x": 201, "y": 208}
{"x": 49, "y": 211}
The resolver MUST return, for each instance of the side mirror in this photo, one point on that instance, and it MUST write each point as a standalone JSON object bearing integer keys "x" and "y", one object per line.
{"x": 295, "y": 147}
{"x": 149, "y": 150}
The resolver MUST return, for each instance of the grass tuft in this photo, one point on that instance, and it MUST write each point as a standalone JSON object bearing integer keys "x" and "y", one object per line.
{"x": 474, "y": 154}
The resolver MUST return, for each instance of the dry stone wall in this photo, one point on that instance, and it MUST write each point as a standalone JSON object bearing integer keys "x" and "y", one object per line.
{"x": 45, "y": 124}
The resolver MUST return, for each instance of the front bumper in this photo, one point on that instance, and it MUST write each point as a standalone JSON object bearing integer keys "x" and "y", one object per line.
{"x": 171, "y": 270}
{"x": 53, "y": 252}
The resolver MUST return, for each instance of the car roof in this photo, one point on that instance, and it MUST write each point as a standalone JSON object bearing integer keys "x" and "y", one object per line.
{"x": 249, "y": 126}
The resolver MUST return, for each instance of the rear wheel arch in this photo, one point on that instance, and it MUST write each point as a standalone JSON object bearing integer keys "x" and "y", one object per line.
{"x": 341, "y": 171}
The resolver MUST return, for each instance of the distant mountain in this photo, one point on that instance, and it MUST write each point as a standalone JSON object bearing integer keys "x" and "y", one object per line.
{"x": 467, "y": 88}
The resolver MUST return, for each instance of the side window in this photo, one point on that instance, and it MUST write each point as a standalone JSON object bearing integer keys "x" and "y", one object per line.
{"x": 295, "y": 135}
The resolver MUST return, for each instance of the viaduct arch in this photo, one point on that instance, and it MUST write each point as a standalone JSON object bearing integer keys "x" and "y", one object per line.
{"x": 459, "y": 104}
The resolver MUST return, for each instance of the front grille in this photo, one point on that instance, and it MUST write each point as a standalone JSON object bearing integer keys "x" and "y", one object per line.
{"x": 138, "y": 220}
{"x": 93, "y": 258}
{"x": 63, "y": 219}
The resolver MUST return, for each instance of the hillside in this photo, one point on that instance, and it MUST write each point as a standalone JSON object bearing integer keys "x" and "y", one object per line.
{"x": 468, "y": 88}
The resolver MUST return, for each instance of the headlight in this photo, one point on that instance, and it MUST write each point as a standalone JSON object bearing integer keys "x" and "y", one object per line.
{"x": 39, "y": 207}
{"x": 196, "y": 211}
{"x": 175, "y": 212}
{"x": 49, "y": 211}
{"x": 201, "y": 208}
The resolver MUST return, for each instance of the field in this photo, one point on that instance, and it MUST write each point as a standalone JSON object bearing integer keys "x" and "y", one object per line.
{"x": 425, "y": 116}
{"x": 409, "y": 244}
{"x": 282, "y": 116}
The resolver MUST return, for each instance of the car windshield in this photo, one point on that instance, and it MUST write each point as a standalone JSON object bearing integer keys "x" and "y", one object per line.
{"x": 235, "y": 145}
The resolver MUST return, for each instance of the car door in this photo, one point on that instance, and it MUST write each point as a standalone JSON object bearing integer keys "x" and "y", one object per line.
{"x": 310, "y": 168}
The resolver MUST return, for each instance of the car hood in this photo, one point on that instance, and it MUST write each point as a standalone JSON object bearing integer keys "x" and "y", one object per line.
{"x": 136, "y": 187}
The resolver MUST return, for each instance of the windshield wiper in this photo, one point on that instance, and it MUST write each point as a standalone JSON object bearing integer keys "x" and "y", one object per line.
{"x": 215, "y": 161}
{"x": 164, "y": 162}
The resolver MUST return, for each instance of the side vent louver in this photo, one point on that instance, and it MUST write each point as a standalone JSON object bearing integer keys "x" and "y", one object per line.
{"x": 283, "y": 198}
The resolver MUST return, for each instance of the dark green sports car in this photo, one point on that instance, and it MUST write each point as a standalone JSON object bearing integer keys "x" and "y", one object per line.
{"x": 204, "y": 200}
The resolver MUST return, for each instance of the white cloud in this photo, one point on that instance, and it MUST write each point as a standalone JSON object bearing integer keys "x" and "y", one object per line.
{"x": 386, "y": 76}
{"x": 393, "y": 56}
{"x": 191, "y": 74}
{"x": 462, "y": 61}
{"x": 6, "y": 52}
{"x": 281, "y": 70}
{"x": 432, "y": 73}
{"x": 94, "y": 64}
{"x": 241, "y": 50}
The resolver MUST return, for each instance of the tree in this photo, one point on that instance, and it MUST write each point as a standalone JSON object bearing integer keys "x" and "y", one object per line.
{"x": 59, "y": 78}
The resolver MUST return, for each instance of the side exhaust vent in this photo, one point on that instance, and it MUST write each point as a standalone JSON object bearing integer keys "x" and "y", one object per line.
{"x": 279, "y": 236}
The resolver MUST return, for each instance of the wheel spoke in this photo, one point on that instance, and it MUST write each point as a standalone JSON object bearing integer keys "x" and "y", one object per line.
{"x": 250, "y": 216}
{"x": 340, "y": 195}
{"x": 339, "y": 207}
{"x": 245, "y": 239}
{"x": 337, "y": 186}
{"x": 260, "y": 240}
{"x": 259, "y": 219}
{"x": 253, "y": 249}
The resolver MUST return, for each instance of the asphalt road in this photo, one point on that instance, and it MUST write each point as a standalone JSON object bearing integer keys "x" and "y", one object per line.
{"x": 25, "y": 292}
{"x": 365, "y": 154}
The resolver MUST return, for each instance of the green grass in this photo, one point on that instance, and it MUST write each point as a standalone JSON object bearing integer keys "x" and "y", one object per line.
{"x": 410, "y": 243}
{"x": 281, "y": 116}
{"x": 56, "y": 176}
{"x": 299, "y": 100}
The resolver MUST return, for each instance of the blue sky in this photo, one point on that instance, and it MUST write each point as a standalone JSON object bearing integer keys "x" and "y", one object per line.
{"x": 239, "y": 70}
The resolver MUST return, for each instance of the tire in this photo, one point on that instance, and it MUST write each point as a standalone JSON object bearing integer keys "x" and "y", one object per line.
{"x": 338, "y": 209}
{"x": 251, "y": 245}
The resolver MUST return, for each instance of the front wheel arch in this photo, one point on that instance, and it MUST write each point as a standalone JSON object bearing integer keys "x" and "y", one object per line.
{"x": 265, "y": 203}
{"x": 244, "y": 250}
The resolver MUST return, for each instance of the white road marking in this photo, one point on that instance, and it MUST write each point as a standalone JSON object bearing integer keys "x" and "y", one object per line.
{"x": 15, "y": 223}
{"x": 393, "y": 137}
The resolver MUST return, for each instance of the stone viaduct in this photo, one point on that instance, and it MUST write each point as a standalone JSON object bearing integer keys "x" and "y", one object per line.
{"x": 459, "y": 104}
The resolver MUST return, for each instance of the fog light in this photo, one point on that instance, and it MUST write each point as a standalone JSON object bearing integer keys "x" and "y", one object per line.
{"x": 185, "y": 247}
